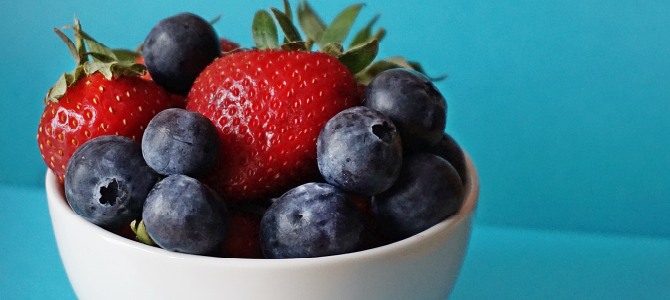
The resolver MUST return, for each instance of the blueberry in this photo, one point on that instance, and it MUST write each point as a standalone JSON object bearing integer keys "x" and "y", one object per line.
{"x": 427, "y": 192}
{"x": 359, "y": 150}
{"x": 107, "y": 181}
{"x": 312, "y": 220}
{"x": 179, "y": 141}
{"x": 412, "y": 102}
{"x": 177, "y": 49}
{"x": 183, "y": 215}
{"x": 449, "y": 149}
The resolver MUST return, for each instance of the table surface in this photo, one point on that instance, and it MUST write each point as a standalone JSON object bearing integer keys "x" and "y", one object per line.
{"x": 502, "y": 262}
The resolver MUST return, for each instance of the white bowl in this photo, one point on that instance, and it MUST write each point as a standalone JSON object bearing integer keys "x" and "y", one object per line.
{"x": 102, "y": 265}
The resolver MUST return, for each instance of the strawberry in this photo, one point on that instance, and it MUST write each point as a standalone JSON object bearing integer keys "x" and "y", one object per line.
{"x": 269, "y": 107}
{"x": 227, "y": 46}
{"x": 269, "y": 104}
{"x": 101, "y": 97}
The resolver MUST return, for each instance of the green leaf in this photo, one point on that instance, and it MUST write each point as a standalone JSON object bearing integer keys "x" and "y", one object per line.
{"x": 128, "y": 68}
{"x": 58, "y": 90}
{"x": 264, "y": 31}
{"x": 125, "y": 54}
{"x": 290, "y": 32}
{"x": 338, "y": 30}
{"x": 356, "y": 59}
{"x": 216, "y": 19}
{"x": 364, "y": 77}
{"x": 309, "y": 21}
{"x": 400, "y": 61}
{"x": 333, "y": 49}
{"x": 100, "y": 52}
{"x": 412, "y": 65}
{"x": 70, "y": 45}
{"x": 299, "y": 46}
{"x": 380, "y": 34}
{"x": 141, "y": 232}
{"x": 287, "y": 10}
{"x": 98, "y": 57}
{"x": 364, "y": 35}
{"x": 105, "y": 68}
{"x": 308, "y": 44}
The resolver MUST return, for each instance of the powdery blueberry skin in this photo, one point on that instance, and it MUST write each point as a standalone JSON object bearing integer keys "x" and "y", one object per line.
{"x": 427, "y": 192}
{"x": 179, "y": 141}
{"x": 412, "y": 102}
{"x": 183, "y": 215}
{"x": 107, "y": 181}
{"x": 311, "y": 220}
{"x": 359, "y": 150}
{"x": 177, "y": 49}
{"x": 449, "y": 149}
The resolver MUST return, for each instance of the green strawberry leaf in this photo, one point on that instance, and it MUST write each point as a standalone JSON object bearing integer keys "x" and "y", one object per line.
{"x": 70, "y": 45}
{"x": 338, "y": 30}
{"x": 100, "y": 52}
{"x": 297, "y": 46}
{"x": 310, "y": 23}
{"x": 66, "y": 80}
{"x": 264, "y": 31}
{"x": 287, "y": 10}
{"x": 333, "y": 49}
{"x": 412, "y": 65}
{"x": 364, "y": 77}
{"x": 308, "y": 44}
{"x": 290, "y": 32}
{"x": 91, "y": 67}
{"x": 58, "y": 90}
{"x": 141, "y": 232}
{"x": 379, "y": 35}
{"x": 364, "y": 35}
{"x": 356, "y": 59}
{"x": 216, "y": 19}
{"x": 125, "y": 54}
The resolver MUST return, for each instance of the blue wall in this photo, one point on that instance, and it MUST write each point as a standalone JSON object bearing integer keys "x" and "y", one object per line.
{"x": 564, "y": 106}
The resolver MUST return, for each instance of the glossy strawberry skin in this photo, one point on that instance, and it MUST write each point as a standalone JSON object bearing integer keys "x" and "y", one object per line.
{"x": 269, "y": 107}
{"x": 95, "y": 106}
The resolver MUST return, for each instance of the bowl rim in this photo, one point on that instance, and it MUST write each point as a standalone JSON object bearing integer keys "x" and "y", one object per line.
{"x": 58, "y": 205}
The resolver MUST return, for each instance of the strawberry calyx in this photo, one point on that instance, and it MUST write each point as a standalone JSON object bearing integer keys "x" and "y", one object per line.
{"x": 360, "y": 56}
{"x": 110, "y": 63}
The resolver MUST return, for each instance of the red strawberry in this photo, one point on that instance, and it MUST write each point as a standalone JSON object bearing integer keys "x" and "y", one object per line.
{"x": 269, "y": 107}
{"x": 90, "y": 104}
{"x": 227, "y": 46}
{"x": 242, "y": 237}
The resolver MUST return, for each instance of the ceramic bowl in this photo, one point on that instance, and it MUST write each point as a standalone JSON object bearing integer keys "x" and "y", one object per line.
{"x": 102, "y": 265}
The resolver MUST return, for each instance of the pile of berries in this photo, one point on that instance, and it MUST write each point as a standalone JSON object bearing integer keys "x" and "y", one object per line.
{"x": 277, "y": 151}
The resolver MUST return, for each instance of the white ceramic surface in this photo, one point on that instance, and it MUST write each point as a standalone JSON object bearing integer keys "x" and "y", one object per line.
{"x": 102, "y": 265}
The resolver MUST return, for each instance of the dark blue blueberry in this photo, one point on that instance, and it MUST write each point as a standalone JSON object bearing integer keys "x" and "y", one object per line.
{"x": 107, "y": 181}
{"x": 312, "y": 220}
{"x": 183, "y": 215}
{"x": 359, "y": 150}
{"x": 177, "y": 49}
{"x": 427, "y": 192}
{"x": 179, "y": 141}
{"x": 412, "y": 102}
{"x": 448, "y": 149}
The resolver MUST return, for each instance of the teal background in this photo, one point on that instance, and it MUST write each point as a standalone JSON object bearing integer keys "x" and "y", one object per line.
{"x": 563, "y": 106}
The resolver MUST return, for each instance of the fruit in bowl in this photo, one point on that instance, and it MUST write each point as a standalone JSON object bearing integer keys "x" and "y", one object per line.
{"x": 314, "y": 160}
